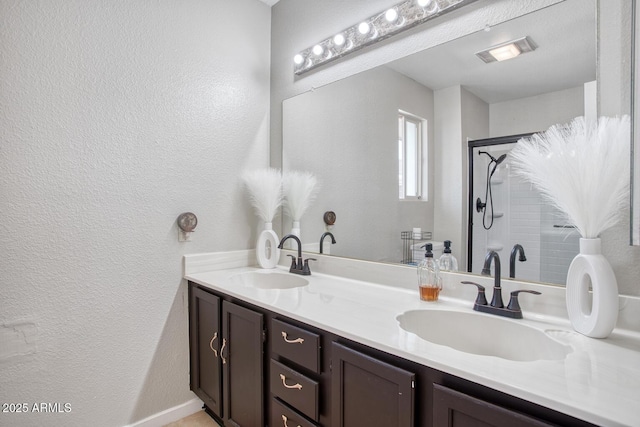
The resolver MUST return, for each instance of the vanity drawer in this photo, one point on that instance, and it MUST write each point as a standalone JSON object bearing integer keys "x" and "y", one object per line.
{"x": 294, "y": 388}
{"x": 295, "y": 344}
{"x": 283, "y": 416}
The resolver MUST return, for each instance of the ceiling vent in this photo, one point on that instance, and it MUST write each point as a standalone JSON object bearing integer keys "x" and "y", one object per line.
{"x": 507, "y": 50}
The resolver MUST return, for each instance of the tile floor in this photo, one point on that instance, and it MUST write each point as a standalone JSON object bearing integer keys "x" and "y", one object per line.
{"x": 199, "y": 419}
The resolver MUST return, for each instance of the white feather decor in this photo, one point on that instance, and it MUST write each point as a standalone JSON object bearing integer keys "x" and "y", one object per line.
{"x": 265, "y": 191}
{"x": 300, "y": 189}
{"x": 582, "y": 168}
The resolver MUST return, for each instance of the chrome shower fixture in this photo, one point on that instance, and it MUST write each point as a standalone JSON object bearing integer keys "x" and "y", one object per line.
{"x": 488, "y": 195}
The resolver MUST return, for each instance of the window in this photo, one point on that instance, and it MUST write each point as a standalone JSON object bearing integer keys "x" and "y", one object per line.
{"x": 411, "y": 166}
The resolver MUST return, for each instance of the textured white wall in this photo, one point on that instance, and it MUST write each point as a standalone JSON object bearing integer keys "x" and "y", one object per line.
{"x": 115, "y": 117}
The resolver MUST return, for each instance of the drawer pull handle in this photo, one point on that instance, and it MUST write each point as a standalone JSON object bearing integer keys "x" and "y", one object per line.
{"x": 284, "y": 421}
{"x": 288, "y": 341}
{"x": 224, "y": 343}
{"x": 283, "y": 378}
{"x": 215, "y": 352}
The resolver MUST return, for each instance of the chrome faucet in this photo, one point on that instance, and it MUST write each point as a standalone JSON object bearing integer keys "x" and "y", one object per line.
{"x": 513, "y": 310}
{"x": 333, "y": 239}
{"x": 298, "y": 266}
{"x": 517, "y": 248}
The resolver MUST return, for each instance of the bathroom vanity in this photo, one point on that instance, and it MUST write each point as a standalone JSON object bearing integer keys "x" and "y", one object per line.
{"x": 272, "y": 348}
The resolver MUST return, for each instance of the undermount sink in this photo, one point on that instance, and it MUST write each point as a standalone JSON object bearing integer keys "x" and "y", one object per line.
{"x": 484, "y": 335}
{"x": 269, "y": 279}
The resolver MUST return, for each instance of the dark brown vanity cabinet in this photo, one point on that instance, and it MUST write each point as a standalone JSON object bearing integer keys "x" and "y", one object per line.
{"x": 309, "y": 377}
{"x": 226, "y": 352}
{"x": 454, "y": 409}
{"x": 241, "y": 353}
{"x": 294, "y": 379}
{"x": 204, "y": 342}
{"x": 368, "y": 392}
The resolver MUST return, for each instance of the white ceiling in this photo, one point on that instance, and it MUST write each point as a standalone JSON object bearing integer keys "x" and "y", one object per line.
{"x": 566, "y": 56}
{"x": 269, "y": 2}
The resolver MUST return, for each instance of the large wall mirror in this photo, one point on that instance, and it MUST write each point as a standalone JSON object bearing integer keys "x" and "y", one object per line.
{"x": 356, "y": 134}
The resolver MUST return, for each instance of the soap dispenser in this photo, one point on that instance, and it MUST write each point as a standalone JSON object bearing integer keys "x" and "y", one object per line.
{"x": 429, "y": 281}
{"x": 447, "y": 261}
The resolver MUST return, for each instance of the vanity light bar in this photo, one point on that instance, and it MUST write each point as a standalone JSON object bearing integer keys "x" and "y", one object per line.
{"x": 378, "y": 27}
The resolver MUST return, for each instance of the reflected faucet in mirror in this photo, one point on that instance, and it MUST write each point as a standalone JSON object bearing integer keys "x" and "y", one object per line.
{"x": 517, "y": 248}
{"x": 333, "y": 240}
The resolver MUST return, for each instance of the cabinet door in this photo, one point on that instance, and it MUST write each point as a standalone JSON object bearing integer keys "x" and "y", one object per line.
{"x": 368, "y": 392}
{"x": 242, "y": 356}
{"x": 454, "y": 409}
{"x": 204, "y": 347}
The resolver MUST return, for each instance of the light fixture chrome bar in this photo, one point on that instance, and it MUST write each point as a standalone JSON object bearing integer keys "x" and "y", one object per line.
{"x": 523, "y": 45}
{"x": 400, "y": 17}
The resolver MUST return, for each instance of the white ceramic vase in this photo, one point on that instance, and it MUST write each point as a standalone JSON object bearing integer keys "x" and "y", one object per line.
{"x": 267, "y": 250}
{"x": 593, "y": 315}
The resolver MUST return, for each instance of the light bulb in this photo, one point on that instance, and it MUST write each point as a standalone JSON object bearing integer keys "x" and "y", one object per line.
{"x": 391, "y": 15}
{"x": 430, "y": 6}
{"x": 317, "y": 50}
{"x": 364, "y": 28}
{"x": 298, "y": 59}
{"x": 505, "y": 52}
{"x": 338, "y": 40}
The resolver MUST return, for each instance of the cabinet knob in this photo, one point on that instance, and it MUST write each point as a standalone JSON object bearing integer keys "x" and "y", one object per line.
{"x": 215, "y": 352}
{"x": 284, "y": 383}
{"x": 288, "y": 341}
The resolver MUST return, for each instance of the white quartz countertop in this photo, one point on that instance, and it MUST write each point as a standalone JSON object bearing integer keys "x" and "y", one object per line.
{"x": 598, "y": 381}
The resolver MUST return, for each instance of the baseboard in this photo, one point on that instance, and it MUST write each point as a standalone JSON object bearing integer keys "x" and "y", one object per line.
{"x": 170, "y": 415}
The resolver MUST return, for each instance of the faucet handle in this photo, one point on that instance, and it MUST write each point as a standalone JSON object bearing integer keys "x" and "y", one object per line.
{"x": 481, "y": 299}
{"x": 293, "y": 262}
{"x": 513, "y": 302}
{"x": 306, "y": 270}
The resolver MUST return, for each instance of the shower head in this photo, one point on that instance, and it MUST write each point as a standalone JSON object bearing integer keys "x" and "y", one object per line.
{"x": 493, "y": 159}
{"x": 495, "y": 162}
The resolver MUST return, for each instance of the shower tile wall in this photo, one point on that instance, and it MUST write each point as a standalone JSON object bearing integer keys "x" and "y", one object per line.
{"x": 524, "y": 226}
{"x": 559, "y": 245}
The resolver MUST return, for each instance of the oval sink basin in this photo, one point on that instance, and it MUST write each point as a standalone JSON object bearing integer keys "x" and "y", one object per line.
{"x": 269, "y": 279}
{"x": 484, "y": 335}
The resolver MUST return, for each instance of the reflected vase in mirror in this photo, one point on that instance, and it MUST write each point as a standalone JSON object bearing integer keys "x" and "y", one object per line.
{"x": 299, "y": 188}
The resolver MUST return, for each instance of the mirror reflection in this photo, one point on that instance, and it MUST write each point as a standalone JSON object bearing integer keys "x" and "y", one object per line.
{"x": 510, "y": 217}
{"x": 390, "y": 145}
